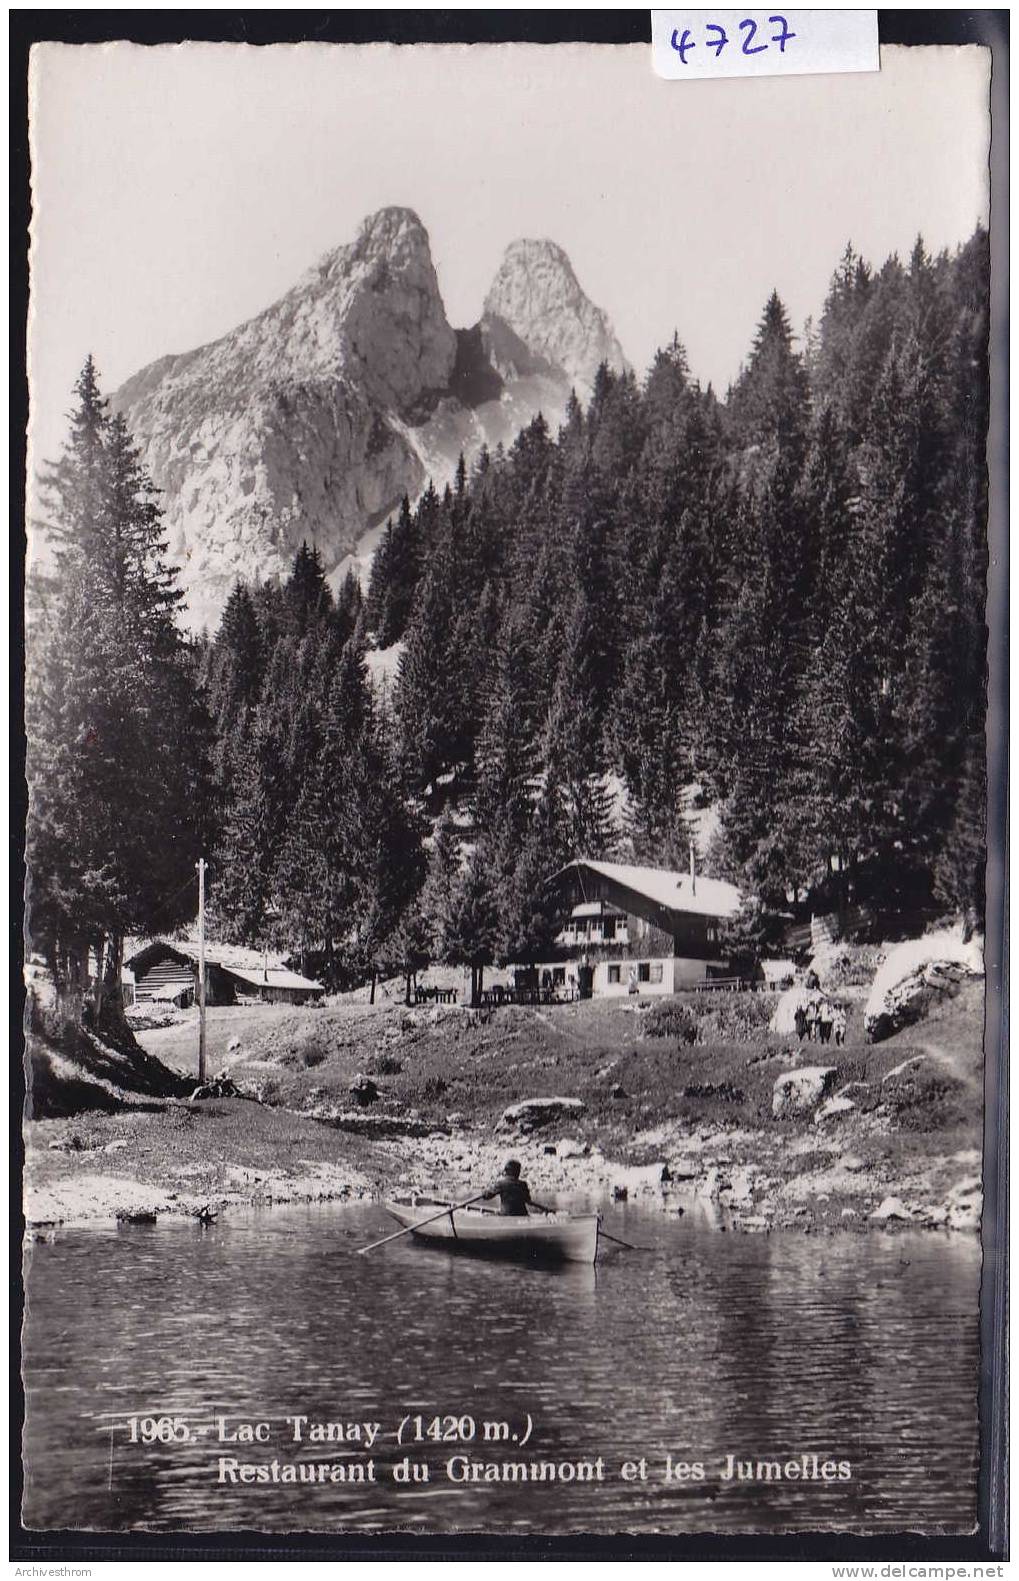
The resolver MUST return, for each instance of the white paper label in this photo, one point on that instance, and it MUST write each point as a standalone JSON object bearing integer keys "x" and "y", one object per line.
{"x": 765, "y": 43}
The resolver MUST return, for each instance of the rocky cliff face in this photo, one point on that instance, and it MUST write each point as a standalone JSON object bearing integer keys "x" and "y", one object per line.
{"x": 537, "y": 318}
{"x": 311, "y": 420}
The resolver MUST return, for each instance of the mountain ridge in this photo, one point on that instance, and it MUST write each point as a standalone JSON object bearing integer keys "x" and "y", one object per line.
{"x": 311, "y": 420}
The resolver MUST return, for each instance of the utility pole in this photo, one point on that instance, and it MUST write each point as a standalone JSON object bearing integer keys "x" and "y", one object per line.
{"x": 200, "y": 864}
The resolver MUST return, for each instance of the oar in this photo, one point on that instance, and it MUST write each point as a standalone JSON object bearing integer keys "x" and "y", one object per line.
{"x": 615, "y": 1239}
{"x": 454, "y": 1207}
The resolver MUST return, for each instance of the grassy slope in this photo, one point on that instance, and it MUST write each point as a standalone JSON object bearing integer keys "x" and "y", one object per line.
{"x": 118, "y": 1132}
{"x": 180, "y": 1156}
{"x": 473, "y": 1066}
{"x": 702, "y": 1108}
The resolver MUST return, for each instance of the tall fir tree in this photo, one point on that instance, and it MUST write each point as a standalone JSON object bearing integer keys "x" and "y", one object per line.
{"x": 118, "y": 734}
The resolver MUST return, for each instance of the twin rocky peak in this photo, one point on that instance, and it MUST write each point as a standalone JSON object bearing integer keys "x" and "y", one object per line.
{"x": 312, "y": 420}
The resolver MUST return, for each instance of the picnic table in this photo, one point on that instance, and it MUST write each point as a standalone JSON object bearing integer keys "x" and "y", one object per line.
{"x": 492, "y": 998}
{"x": 435, "y": 996}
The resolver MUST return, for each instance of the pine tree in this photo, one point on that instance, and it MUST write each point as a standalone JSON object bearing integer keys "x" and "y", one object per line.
{"x": 527, "y": 918}
{"x": 441, "y": 882}
{"x": 118, "y": 735}
{"x": 961, "y": 863}
{"x": 506, "y": 760}
{"x": 379, "y": 587}
{"x": 395, "y": 573}
{"x": 433, "y": 694}
{"x": 471, "y": 934}
{"x": 573, "y": 739}
{"x": 349, "y": 607}
{"x": 411, "y": 944}
{"x": 241, "y": 889}
{"x": 233, "y": 671}
{"x": 307, "y": 592}
{"x": 770, "y": 400}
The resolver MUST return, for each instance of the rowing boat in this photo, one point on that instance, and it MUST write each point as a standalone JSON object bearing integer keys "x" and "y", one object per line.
{"x": 564, "y": 1238}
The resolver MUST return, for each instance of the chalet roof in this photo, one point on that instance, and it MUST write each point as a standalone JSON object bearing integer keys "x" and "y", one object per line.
{"x": 702, "y": 897}
{"x": 234, "y": 957}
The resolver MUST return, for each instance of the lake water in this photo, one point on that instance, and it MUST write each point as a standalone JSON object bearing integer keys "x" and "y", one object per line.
{"x": 858, "y": 1349}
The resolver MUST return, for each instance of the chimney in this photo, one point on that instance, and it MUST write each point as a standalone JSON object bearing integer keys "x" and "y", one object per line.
{"x": 693, "y": 872}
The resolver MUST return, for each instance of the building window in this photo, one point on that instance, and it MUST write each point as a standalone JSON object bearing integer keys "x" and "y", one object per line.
{"x": 656, "y": 972}
{"x": 609, "y": 929}
{"x": 558, "y": 976}
{"x": 712, "y": 934}
{"x": 644, "y": 971}
{"x": 614, "y": 976}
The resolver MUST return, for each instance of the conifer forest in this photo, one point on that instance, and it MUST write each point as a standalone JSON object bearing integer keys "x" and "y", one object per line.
{"x": 759, "y": 616}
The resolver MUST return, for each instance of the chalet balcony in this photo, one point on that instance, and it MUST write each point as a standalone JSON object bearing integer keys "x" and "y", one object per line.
{"x": 581, "y": 937}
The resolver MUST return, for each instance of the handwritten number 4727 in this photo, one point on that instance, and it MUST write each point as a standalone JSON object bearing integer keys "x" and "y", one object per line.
{"x": 748, "y": 27}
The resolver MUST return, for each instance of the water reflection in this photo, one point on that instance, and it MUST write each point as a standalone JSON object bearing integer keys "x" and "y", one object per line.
{"x": 704, "y": 1346}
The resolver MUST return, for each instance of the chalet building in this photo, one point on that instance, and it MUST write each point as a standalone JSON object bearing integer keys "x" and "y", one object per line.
{"x": 167, "y": 971}
{"x": 637, "y": 930}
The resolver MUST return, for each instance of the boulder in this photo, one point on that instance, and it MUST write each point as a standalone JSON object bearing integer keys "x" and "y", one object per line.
{"x": 533, "y": 1113}
{"x": 890, "y": 1208}
{"x": 800, "y": 1091}
{"x": 913, "y": 974}
{"x": 964, "y": 1204}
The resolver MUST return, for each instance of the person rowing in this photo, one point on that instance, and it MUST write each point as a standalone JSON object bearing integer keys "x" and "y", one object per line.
{"x": 513, "y": 1193}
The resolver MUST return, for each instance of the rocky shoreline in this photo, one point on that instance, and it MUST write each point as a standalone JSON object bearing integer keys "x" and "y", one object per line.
{"x": 732, "y": 1180}
{"x": 698, "y": 1110}
{"x": 728, "y": 1180}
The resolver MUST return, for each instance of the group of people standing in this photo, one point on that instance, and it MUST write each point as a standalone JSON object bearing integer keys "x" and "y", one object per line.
{"x": 818, "y": 1019}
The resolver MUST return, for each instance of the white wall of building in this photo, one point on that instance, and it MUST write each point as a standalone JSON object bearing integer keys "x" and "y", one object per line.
{"x": 652, "y": 975}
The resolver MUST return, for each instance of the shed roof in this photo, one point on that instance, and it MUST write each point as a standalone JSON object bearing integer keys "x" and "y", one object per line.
{"x": 275, "y": 977}
{"x": 703, "y": 897}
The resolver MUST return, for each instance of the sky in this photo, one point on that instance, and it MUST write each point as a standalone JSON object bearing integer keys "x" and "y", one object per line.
{"x": 178, "y": 190}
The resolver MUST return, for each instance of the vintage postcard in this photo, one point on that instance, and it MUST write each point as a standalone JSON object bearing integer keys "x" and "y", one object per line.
{"x": 506, "y": 707}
